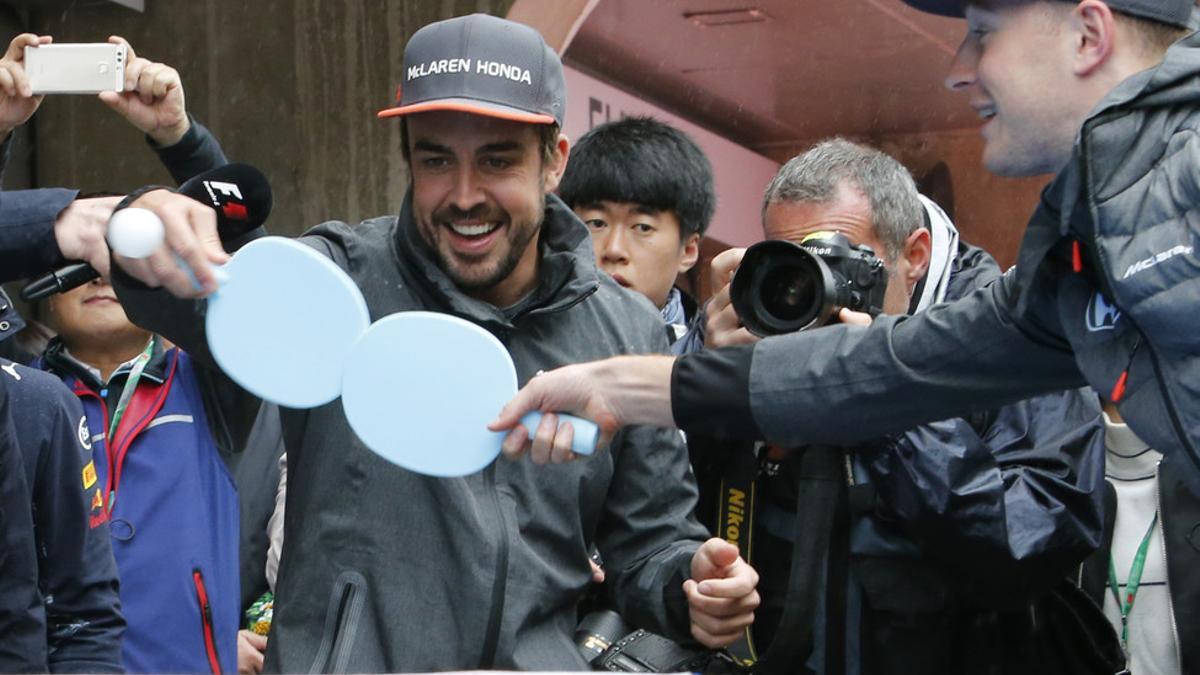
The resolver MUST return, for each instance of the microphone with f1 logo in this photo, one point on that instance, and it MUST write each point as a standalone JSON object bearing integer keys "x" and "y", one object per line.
{"x": 238, "y": 193}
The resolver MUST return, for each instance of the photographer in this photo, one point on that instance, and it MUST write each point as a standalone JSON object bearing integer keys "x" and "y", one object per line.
{"x": 947, "y": 527}
{"x": 98, "y": 355}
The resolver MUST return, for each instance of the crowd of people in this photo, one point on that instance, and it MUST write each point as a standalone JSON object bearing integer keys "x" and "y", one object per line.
{"x": 982, "y": 472}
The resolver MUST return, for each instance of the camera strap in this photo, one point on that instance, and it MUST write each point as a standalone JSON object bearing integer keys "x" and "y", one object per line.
{"x": 735, "y": 524}
{"x": 819, "y": 495}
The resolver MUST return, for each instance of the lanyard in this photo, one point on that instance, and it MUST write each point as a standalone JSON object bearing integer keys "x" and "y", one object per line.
{"x": 131, "y": 383}
{"x": 1132, "y": 583}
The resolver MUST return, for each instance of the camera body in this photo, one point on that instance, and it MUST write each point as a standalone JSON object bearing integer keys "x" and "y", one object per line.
{"x": 781, "y": 287}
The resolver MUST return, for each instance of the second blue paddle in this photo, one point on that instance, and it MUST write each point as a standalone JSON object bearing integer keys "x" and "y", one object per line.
{"x": 421, "y": 387}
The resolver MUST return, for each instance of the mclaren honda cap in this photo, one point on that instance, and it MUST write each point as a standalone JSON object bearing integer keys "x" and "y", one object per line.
{"x": 1173, "y": 12}
{"x": 483, "y": 65}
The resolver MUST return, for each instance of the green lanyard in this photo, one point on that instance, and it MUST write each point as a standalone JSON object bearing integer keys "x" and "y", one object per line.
{"x": 131, "y": 382}
{"x": 1131, "y": 584}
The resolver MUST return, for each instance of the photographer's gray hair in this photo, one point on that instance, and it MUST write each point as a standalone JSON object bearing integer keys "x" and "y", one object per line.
{"x": 814, "y": 176}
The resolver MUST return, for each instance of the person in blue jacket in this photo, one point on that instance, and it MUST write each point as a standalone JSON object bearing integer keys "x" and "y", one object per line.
{"x": 76, "y": 574}
{"x": 22, "y": 614}
{"x": 173, "y": 515}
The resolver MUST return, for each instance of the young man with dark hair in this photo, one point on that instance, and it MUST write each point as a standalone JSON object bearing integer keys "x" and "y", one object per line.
{"x": 645, "y": 190}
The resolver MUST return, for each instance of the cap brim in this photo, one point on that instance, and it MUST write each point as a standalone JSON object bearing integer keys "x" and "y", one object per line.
{"x": 470, "y": 106}
{"x": 954, "y": 8}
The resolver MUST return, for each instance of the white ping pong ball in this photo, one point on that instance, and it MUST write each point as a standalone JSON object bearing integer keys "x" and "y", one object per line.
{"x": 134, "y": 232}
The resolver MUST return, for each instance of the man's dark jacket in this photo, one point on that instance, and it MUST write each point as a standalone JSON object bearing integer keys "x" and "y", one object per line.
{"x": 22, "y": 613}
{"x": 952, "y": 522}
{"x": 388, "y": 570}
{"x": 77, "y": 576}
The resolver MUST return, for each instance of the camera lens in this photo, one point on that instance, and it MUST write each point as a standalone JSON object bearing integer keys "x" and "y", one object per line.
{"x": 789, "y": 293}
{"x": 781, "y": 288}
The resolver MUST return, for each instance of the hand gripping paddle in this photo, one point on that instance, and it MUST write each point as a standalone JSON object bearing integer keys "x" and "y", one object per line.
{"x": 421, "y": 387}
{"x": 282, "y": 320}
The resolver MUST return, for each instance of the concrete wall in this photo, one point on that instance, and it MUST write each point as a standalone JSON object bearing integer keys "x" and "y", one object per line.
{"x": 290, "y": 86}
{"x": 18, "y": 171}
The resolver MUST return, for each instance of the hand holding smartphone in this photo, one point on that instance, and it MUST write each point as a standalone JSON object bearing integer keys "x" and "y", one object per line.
{"x": 76, "y": 68}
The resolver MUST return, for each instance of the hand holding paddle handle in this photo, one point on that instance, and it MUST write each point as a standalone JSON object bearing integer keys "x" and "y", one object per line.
{"x": 583, "y": 442}
{"x": 136, "y": 233}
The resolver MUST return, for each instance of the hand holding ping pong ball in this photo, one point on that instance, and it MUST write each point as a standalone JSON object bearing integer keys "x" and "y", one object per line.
{"x": 135, "y": 233}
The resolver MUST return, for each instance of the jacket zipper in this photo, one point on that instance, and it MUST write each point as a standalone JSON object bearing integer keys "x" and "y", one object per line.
{"x": 206, "y": 623}
{"x": 1162, "y": 532}
{"x": 542, "y": 310}
{"x": 82, "y": 390}
{"x": 491, "y": 638}
{"x": 1118, "y": 390}
{"x": 341, "y": 630}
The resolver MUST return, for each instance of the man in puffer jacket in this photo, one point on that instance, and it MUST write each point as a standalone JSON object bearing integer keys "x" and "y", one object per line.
{"x": 1101, "y": 92}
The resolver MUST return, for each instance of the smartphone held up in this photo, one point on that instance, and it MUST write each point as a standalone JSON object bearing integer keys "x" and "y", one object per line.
{"x": 76, "y": 68}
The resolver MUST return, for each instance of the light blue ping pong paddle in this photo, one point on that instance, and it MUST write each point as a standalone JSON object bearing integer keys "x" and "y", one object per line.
{"x": 421, "y": 387}
{"x": 283, "y": 321}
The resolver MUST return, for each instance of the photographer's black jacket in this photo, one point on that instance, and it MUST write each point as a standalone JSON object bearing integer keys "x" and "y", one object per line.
{"x": 953, "y": 520}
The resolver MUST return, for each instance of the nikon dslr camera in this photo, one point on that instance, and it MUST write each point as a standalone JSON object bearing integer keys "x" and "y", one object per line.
{"x": 781, "y": 287}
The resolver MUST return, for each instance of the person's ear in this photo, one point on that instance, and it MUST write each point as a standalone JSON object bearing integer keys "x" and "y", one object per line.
{"x": 556, "y": 164}
{"x": 1093, "y": 31}
{"x": 691, "y": 252}
{"x": 918, "y": 249}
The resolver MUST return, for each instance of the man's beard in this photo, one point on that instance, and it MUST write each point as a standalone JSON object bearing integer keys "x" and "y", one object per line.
{"x": 518, "y": 235}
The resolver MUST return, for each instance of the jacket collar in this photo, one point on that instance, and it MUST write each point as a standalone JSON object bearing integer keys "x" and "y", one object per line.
{"x": 566, "y": 275}
{"x": 60, "y": 362}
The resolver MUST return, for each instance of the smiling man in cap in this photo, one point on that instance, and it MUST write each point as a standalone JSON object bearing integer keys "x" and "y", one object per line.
{"x": 385, "y": 570}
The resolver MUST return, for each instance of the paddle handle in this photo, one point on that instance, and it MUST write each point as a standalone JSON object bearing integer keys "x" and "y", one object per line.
{"x": 218, "y": 271}
{"x": 586, "y": 431}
